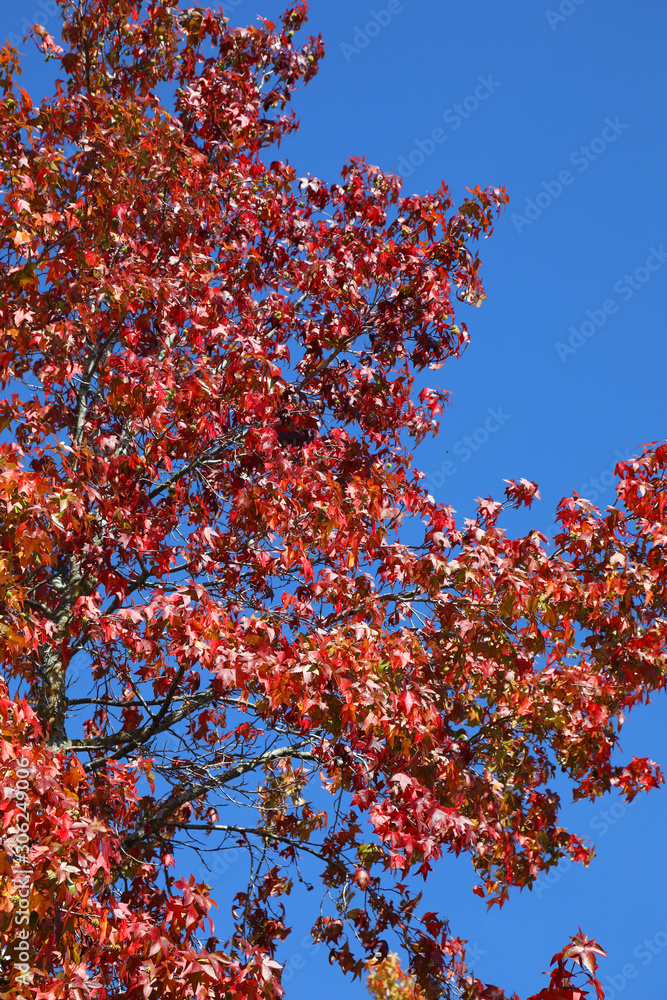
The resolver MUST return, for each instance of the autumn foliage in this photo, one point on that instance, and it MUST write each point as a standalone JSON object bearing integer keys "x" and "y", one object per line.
{"x": 211, "y": 622}
{"x": 387, "y": 981}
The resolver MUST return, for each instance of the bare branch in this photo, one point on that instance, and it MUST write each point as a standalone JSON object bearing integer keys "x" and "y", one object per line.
{"x": 255, "y": 831}
{"x": 174, "y": 802}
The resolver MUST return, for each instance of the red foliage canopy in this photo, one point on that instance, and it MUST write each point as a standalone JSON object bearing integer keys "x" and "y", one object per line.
{"x": 208, "y": 370}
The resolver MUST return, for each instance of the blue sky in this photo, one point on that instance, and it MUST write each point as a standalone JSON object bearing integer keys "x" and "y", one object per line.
{"x": 565, "y": 374}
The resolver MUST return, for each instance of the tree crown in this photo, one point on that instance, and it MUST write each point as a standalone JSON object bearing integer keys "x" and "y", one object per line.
{"x": 209, "y": 369}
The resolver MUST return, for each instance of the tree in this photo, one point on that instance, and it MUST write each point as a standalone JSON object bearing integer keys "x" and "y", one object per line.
{"x": 209, "y": 408}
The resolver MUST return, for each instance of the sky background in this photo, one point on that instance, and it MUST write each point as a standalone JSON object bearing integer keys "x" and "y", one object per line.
{"x": 565, "y": 373}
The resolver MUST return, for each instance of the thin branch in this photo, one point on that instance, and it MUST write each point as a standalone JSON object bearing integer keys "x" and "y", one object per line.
{"x": 167, "y": 700}
{"x": 133, "y": 740}
{"x": 174, "y": 802}
{"x": 94, "y": 360}
{"x": 257, "y": 831}
{"x": 196, "y": 463}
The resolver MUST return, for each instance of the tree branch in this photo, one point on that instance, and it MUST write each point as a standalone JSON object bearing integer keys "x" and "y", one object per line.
{"x": 133, "y": 740}
{"x": 256, "y": 831}
{"x": 174, "y": 802}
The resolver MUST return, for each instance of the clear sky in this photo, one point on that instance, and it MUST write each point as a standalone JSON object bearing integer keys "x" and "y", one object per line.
{"x": 564, "y": 104}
